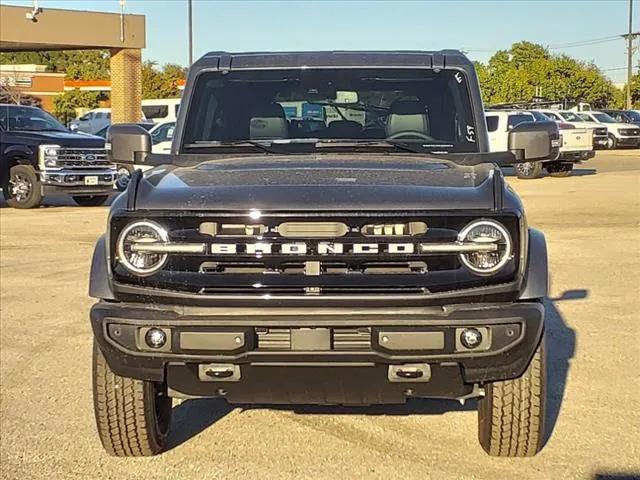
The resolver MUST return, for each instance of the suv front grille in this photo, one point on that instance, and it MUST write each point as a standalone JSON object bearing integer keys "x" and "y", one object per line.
{"x": 599, "y": 132}
{"x": 315, "y": 254}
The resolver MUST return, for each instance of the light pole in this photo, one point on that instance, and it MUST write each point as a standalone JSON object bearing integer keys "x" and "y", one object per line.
{"x": 190, "y": 15}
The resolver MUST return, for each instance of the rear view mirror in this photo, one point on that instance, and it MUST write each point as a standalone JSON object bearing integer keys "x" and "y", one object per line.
{"x": 346, "y": 97}
{"x": 127, "y": 143}
{"x": 535, "y": 141}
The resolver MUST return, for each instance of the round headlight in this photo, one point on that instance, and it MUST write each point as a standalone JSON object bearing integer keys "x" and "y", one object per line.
{"x": 137, "y": 234}
{"x": 494, "y": 246}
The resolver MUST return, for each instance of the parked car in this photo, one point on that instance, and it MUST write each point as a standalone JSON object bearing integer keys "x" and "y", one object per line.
{"x": 103, "y": 133}
{"x": 499, "y": 125}
{"x": 161, "y": 136}
{"x": 97, "y": 121}
{"x": 620, "y": 134}
{"x": 600, "y": 132}
{"x": 40, "y": 157}
{"x": 92, "y": 121}
{"x": 161, "y": 110}
{"x": 624, "y": 116}
{"x": 367, "y": 265}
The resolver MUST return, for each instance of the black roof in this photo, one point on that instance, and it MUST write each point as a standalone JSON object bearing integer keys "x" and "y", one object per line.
{"x": 324, "y": 59}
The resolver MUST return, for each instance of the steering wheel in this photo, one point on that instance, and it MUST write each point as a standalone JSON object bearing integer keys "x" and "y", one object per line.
{"x": 410, "y": 134}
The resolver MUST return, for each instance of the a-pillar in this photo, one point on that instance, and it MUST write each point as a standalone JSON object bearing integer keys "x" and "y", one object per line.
{"x": 126, "y": 85}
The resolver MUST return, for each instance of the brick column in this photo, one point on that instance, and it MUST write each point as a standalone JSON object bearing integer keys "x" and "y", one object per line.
{"x": 126, "y": 85}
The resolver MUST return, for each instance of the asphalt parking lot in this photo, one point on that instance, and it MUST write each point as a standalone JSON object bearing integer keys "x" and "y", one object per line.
{"x": 592, "y": 224}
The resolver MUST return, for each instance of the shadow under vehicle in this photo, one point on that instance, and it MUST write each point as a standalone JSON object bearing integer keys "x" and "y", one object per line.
{"x": 384, "y": 259}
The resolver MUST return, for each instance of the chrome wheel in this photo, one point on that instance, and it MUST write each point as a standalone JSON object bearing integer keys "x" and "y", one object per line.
{"x": 21, "y": 187}
{"x": 123, "y": 178}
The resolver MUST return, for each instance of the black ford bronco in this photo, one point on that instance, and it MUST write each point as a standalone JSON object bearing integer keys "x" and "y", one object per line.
{"x": 329, "y": 228}
{"x": 40, "y": 157}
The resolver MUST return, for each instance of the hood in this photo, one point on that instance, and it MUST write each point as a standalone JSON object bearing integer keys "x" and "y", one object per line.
{"x": 64, "y": 139}
{"x": 319, "y": 182}
{"x": 588, "y": 124}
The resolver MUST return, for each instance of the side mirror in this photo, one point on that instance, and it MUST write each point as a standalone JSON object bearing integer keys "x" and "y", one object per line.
{"x": 127, "y": 143}
{"x": 535, "y": 141}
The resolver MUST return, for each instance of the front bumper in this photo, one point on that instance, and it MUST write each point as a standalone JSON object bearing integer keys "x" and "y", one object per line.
{"x": 77, "y": 182}
{"x": 624, "y": 141}
{"x": 577, "y": 156}
{"x": 319, "y": 355}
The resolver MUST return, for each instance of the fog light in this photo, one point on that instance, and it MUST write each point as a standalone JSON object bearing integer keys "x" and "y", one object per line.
{"x": 471, "y": 338}
{"x": 155, "y": 338}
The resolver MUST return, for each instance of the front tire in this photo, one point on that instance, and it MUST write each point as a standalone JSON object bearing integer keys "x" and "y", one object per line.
{"x": 22, "y": 189}
{"x": 90, "y": 200}
{"x": 132, "y": 416}
{"x": 528, "y": 170}
{"x": 512, "y": 412}
{"x": 612, "y": 142}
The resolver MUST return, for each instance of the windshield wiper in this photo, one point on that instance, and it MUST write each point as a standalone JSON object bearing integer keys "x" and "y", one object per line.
{"x": 265, "y": 146}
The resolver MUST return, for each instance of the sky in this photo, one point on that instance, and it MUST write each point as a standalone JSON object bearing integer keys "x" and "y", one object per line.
{"x": 478, "y": 27}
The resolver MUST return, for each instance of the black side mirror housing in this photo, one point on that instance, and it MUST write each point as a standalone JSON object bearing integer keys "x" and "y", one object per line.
{"x": 127, "y": 143}
{"x": 535, "y": 141}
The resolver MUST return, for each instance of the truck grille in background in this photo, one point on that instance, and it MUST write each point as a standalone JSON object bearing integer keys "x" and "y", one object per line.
{"x": 631, "y": 132}
{"x": 600, "y": 132}
{"x": 83, "y": 158}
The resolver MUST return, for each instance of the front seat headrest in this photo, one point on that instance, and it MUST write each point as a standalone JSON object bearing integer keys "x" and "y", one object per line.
{"x": 407, "y": 116}
{"x": 268, "y": 123}
{"x": 344, "y": 129}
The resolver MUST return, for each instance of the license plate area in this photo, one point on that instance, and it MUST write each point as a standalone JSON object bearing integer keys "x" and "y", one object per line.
{"x": 91, "y": 180}
{"x": 311, "y": 339}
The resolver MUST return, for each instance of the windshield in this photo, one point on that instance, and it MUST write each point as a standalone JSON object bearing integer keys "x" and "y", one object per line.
{"x": 423, "y": 108}
{"x": 17, "y": 118}
{"x": 604, "y": 118}
{"x": 633, "y": 115}
{"x": 571, "y": 117}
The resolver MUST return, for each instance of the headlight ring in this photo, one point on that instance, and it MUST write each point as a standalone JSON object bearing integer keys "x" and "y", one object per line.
{"x": 141, "y": 263}
{"x": 486, "y": 232}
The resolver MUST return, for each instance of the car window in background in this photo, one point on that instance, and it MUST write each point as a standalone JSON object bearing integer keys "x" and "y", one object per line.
{"x": 29, "y": 119}
{"x": 604, "y": 118}
{"x": 633, "y": 116}
{"x": 571, "y": 117}
{"x": 155, "y": 111}
{"x": 163, "y": 133}
{"x": 516, "y": 119}
{"x": 585, "y": 117}
{"x": 553, "y": 116}
{"x": 492, "y": 123}
{"x": 540, "y": 117}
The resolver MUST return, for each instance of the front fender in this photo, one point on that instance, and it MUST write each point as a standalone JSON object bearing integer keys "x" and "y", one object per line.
{"x": 100, "y": 277}
{"x": 536, "y": 281}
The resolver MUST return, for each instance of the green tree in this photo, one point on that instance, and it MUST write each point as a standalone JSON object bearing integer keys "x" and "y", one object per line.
{"x": 77, "y": 64}
{"x": 635, "y": 90}
{"x": 161, "y": 82}
{"x": 528, "y": 69}
{"x": 65, "y": 105}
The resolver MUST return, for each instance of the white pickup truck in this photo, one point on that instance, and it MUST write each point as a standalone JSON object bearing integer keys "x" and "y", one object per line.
{"x": 577, "y": 143}
{"x": 620, "y": 134}
{"x": 600, "y": 132}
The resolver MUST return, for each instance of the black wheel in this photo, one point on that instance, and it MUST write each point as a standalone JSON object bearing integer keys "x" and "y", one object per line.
{"x": 528, "y": 170}
{"x": 22, "y": 187}
{"x": 512, "y": 412}
{"x": 133, "y": 416}
{"x": 90, "y": 200}
{"x": 123, "y": 177}
{"x": 559, "y": 169}
{"x": 612, "y": 142}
